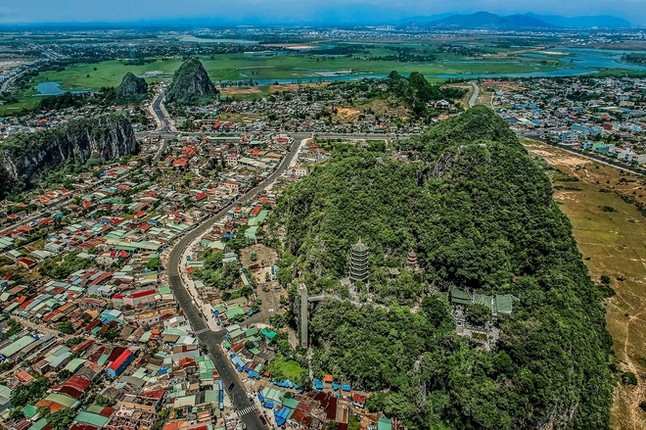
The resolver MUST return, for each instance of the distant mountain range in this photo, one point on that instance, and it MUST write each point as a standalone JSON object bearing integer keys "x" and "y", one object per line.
{"x": 351, "y": 15}
{"x": 487, "y": 20}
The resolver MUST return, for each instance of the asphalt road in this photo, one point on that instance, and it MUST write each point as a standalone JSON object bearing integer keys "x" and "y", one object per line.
{"x": 5, "y": 84}
{"x": 159, "y": 113}
{"x": 207, "y": 337}
{"x": 168, "y": 134}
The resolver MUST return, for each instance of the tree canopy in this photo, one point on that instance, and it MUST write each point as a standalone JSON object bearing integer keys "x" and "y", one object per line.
{"x": 479, "y": 214}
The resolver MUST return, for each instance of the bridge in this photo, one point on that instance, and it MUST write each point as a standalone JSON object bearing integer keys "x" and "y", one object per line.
{"x": 304, "y": 313}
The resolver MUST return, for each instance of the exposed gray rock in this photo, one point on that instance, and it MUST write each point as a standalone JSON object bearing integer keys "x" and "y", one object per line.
{"x": 191, "y": 84}
{"x": 132, "y": 88}
{"x": 25, "y": 157}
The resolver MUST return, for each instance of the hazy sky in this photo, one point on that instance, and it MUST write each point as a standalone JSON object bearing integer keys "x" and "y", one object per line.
{"x": 281, "y": 11}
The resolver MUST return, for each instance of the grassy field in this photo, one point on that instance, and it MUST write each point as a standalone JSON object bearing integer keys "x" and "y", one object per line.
{"x": 229, "y": 67}
{"x": 281, "y": 368}
{"x": 611, "y": 235}
{"x": 245, "y": 66}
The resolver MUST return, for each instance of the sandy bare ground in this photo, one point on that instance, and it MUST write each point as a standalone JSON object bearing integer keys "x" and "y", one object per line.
{"x": 613, "y": 243}
{"x": 347, "y": 113}
{"x": 270, "y": 89}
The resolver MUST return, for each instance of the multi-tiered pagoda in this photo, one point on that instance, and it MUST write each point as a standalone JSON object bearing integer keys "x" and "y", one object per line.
{"x": 411, "y": 262}
{"x": 359, "y": 262}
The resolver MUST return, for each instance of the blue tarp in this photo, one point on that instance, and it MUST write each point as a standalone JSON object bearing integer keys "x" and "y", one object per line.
{"x": 286, "y": 384}
{"x": 346, "y": 387}
{"x": 261, "y": 397}
{"x": 268, "y": 404}
{"x": 281, "y": 415}
{"x": 237, "y": 362}
{"x": 335, "y": 386}
{"x": 318, "y": 384}
{"x": 162, "y": 371}
{"x": 253, "y": 374}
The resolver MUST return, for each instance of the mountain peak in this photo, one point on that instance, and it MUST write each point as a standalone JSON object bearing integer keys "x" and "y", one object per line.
{"x": 491, "y": 20}
{"x": 485, "y": 19}
{"x": 191, "y": 83}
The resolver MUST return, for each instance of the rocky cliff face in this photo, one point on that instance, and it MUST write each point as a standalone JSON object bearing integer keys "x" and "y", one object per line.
{"x": 132, "y": 88}
{"x": 25, "y": 157}
{"x": 191, "y": 83}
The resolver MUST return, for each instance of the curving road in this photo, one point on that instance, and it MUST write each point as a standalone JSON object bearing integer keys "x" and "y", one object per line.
{"x": 476, "y": 93}
{"x": 207, "y": 337}
{"x": 158, "y": 110}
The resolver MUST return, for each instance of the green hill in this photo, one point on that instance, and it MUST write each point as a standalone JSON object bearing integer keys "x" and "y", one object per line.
{"x": 131, "y": 88}
{"x": 479, "y": 213}
{"x": 191, "y": 84}
{"x": 416, "y": 92}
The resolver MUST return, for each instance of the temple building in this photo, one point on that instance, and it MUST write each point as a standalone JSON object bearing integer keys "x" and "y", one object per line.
{"x": 359, "y": 262}
{"x": 411, "y": 262}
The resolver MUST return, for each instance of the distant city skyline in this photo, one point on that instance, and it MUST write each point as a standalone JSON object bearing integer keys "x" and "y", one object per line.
{"x": 266, "y": 12}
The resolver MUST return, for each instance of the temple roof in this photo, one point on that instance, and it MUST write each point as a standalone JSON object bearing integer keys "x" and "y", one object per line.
{"x": 360, "y": 247}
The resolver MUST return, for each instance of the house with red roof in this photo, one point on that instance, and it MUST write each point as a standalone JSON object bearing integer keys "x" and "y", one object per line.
{"x": 119, "y": 365}
{"x": 135, "y": 299}
{"x": 26, "y": 262}
{"x": 75, "y": 386}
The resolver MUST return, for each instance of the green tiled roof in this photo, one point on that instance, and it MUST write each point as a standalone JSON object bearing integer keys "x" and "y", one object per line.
{"x": 16, "y": 346}
{"x": 164, "y": 290}
{"x": 461, "y": 297}
{"x": 93, "y": 419}
{"x": 268, "y": 334}
{"x": 290, "y": 403}
{"x": 74, "y": 364}
{"x": 234, "y": 312}
{"x": 210, "y": 396}
{"x": 504, "y": 303}
{"x": 94, "y": 408}
{"x": 38, "y": 425}
{"x": 61, "y": 399}
{"x": 384, "y": 424}
{"x": 29, "y": 411}
{"x": 101, "y": 361}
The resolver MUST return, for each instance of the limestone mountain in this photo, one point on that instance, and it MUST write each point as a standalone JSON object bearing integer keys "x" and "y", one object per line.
{"x": 477, "y": 210}
{"x": 191, "y": 84}
{"x": 132, "y": 88}
{"x": 24, "y": 157}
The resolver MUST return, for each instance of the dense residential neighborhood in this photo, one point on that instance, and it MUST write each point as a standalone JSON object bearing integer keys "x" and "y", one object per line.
{"x": 89, "y": 308}
{"x": 601, "y": 116}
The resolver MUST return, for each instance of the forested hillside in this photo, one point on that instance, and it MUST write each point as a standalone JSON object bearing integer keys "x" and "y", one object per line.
{"x": 24, "y": 157}
{"x": 417, "y": 92}
{"x": 478, "y": 212}
{"x": 191, "y": 84}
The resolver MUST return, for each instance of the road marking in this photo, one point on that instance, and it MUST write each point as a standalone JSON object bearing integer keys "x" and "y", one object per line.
{"x": 204, "y": 330}
{"x": 246, "y": 410}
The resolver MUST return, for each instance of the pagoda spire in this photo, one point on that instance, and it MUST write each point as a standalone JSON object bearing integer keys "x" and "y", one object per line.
{"x": 359, "y": 262}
